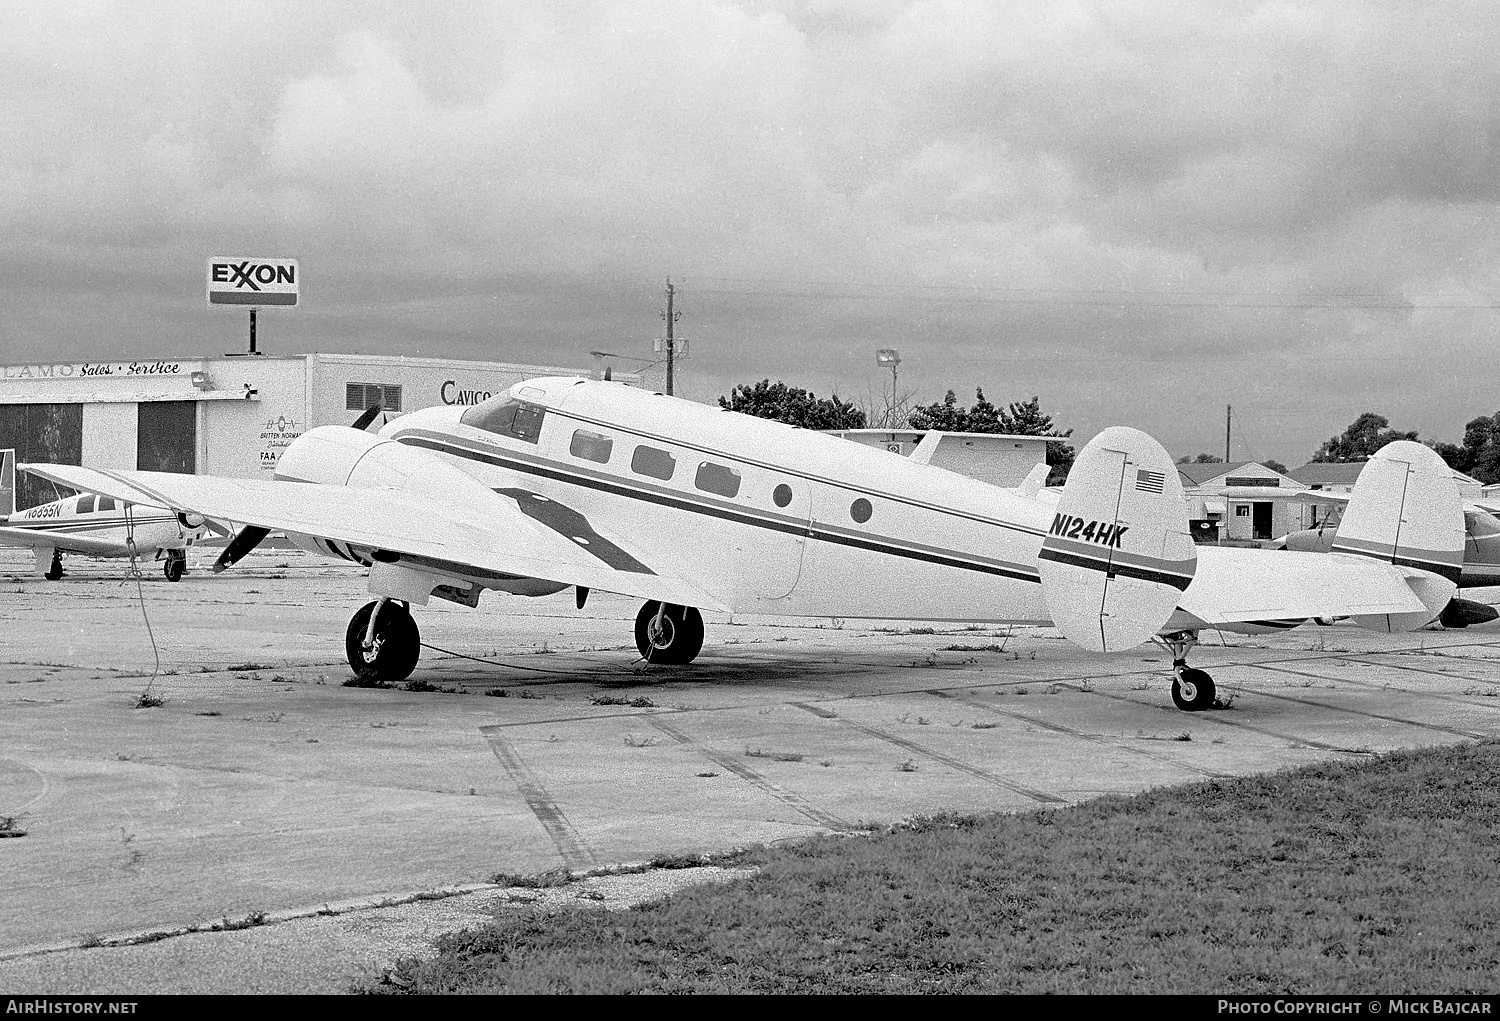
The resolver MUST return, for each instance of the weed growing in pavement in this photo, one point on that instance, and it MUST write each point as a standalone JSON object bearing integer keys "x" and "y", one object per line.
{"x": 148, "y": 701}
{"x": 640, "y": 742}
{"x": 10, "y": 827}
{"x": 639, "y": 702}
{"x": 758, "y": 753}
{"x": 497, "y": 693}
{"x": 244, "y": 667}
{"x": 907, "y": 767}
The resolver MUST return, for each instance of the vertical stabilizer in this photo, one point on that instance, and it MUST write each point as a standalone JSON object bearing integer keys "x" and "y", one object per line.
{"x": 1118, "y": 554}
{"x": 1406, "y": 510}
{"x": 7, "y": 483}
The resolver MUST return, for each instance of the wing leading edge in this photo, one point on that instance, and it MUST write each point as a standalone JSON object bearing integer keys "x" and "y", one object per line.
{"x": 490, "y": 533}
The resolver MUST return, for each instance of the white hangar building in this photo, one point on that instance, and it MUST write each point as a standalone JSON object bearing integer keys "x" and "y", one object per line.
{"x": 229, "y": 415}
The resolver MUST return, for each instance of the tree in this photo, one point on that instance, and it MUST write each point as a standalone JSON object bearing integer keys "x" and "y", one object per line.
{"x": 792, "y": 405}
{"x": 1023, "y": 418}
{"x": 1274, "y": 465}
{"x": 1200, "y": 459}
{"x": 1365, "y": 435}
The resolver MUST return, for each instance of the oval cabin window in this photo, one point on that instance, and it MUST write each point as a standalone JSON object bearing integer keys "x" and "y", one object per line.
{"x": 782, "y": 495}
{"x": 860, "y": 510}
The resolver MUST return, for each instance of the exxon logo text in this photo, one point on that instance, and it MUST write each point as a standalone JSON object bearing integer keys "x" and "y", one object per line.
{"x": 251, "y": 275}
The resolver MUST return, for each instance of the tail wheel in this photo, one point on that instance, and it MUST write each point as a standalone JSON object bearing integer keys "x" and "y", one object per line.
{"x": 175, "y": 566}
{"x": 673, "y": 638}
{"x": 1193, "y": 690}
{"x": 397, "y": 644}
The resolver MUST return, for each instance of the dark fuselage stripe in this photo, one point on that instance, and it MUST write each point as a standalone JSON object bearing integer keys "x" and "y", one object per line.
{"x": 809, "y": 531}
{"x": 1177, "y": 581}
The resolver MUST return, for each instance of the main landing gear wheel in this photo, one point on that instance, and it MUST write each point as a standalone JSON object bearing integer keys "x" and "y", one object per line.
{"x": 674, "y": 637}
{"x": 175, "y": 566}
{"x": 1192, "y": 690}
{"x": 392, "y": 654}
{"x": 55, "y": 571}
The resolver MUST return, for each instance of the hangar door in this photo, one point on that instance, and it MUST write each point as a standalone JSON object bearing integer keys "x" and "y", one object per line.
{"x": 167, "y": 436}
{"x": 43, "y": 433}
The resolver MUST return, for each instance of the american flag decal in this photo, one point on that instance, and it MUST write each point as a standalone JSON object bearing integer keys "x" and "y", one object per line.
{"x": 1150, "y": 482}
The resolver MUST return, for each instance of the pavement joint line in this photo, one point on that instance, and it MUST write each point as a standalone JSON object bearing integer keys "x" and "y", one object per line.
{"x": 573, "y": 849}
{"x": 1367, "y": 714}
{"x": 952, "y": 763}
{"x": 787, "y": 797}
{"x": 1120, "y": 743}
{"x": 141, "y": 937}
{"x": 1436, "y": 696}
{"x": 1366, "y": 658}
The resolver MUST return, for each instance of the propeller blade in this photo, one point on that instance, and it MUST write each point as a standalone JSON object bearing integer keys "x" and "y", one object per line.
{"x": 249, "y": 538}
{"x": 364, "y": 420}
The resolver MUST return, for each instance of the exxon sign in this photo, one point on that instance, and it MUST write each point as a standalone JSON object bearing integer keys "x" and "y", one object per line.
{"x": 252, "y": 281}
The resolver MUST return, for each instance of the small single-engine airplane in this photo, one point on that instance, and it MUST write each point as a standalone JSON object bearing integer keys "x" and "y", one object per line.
{"x": 566, "y": 482}
{"x": 96, "y": 525}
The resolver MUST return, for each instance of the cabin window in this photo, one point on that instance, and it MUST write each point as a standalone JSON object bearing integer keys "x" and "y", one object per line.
{"x": 507, "y": 417}
{"x": 717, "y": 478}
{"x": 85, "y": 505}
{"x": 106, "y": 503}
{"x": 362, "y": 396}
{"x": 658, "y": 464}
{"x": 591, "y": 446}
{"x": 782, "y": 495}
{"x": 860, "y": 510}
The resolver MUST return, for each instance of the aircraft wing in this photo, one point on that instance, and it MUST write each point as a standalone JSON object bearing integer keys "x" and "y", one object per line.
{"x": 67, "y": 542}
{"x": 512, "y": 534}
{"x": 1234, "y": 585}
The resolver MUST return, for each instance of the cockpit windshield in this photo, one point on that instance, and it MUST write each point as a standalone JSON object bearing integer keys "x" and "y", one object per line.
{"x": 507, "y": 416}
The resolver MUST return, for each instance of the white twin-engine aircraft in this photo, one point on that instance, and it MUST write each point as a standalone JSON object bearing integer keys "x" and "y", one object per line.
{"x": 95, "y": 525}
{"x": 594, "y": 485}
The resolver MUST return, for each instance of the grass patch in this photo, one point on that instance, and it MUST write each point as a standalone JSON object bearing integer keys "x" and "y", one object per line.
{"x": 639, "y": 702}
{"x": 249, "y": 666}
{"x": 1336, "y": 878}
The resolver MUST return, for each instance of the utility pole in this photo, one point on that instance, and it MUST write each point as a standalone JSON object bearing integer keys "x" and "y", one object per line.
{"x": 1227, "y": 409}
{"x": 671, "y": 317}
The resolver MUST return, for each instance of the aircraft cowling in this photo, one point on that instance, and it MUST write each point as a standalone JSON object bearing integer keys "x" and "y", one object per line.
{"x": 336, "y": 455}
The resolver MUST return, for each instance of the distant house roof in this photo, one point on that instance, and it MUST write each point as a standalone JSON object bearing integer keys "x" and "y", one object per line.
{"x": 1328, "y": 473}
{"x": 1195, "y": 474}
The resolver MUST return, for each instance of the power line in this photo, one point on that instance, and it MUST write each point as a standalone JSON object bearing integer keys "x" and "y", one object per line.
{"x": 995, "y": 295}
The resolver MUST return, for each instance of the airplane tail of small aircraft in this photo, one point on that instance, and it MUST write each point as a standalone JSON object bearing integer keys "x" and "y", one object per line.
{"x": 1406, "y": 511}
{"x": 1118, "y": 554}
{"x": 7, "y": 483}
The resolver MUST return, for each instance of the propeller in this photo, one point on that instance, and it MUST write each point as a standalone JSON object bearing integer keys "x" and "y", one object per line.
{"x": 364, "y": 420}
{"x": 248, "y": 538}
{"x": 251, "y": 536}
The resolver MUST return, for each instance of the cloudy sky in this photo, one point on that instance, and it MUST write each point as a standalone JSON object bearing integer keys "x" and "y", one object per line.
{"x": 1139, "y": 211}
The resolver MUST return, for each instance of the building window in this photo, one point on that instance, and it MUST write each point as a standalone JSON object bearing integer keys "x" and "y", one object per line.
{"x": 591, "y": 446}
{"x": 717, "y": 478}
{"x": 657, "y": 464}
{"x": 362, "y": 396}
{"x": 1242, "y": 510}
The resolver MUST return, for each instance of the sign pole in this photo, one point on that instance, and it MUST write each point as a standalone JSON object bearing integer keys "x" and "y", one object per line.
{"x": 252, "y": 330}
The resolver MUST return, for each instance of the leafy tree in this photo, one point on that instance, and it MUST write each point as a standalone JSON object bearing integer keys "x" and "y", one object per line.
{"x": 1200, "y": 459}
{"x": 1021, "y": 418}
{"x": 1274, "y": 465}
{"x": 793, "y": 405}
{"x": 1479, "y": 454}
{"x": 1365, "y": 435}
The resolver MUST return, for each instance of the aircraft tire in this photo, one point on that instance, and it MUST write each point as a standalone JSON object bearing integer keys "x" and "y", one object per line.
{"x": 398, "y": 643}
{"x": 54, "y": 572}
{"x": 1193, "y": 690}
{"x": 680, "y": 641}
{"x": 175, "y": 567}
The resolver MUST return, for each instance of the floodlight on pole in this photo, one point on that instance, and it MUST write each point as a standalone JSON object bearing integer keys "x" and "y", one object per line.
{"x": 889, "y": 357}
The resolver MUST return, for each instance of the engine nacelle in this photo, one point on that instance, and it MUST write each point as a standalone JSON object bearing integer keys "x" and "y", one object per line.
{"x": 336, "y": 455}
